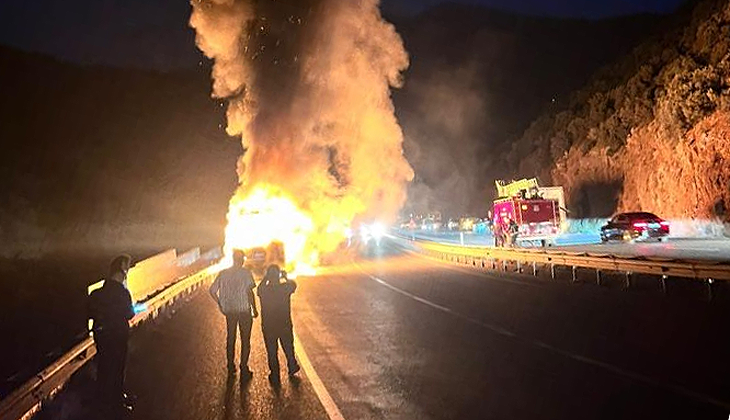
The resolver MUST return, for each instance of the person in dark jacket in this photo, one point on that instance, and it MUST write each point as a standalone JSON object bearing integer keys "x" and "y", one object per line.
{"x": 110, "y": 307}
{"x": 512, "y": 232}
{"x": 275, "y": 292}
{"x": 498, "y": 232}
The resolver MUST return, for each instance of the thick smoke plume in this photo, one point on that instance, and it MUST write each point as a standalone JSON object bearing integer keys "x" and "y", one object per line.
{"x": 308, "y": 89}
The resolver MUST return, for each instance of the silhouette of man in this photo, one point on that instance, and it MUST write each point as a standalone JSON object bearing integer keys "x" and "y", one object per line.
{"x": 233, "y": 292}
{"x": 275, "y": 291}
{"x": 110, "y": 307}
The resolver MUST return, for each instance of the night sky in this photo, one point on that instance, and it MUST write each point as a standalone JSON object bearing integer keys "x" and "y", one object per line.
{"x": 154, "y": 33}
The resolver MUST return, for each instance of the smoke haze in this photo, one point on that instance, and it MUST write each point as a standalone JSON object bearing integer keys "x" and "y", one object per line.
{"x": 478, "y": 78}
{"x": 308, "y": 89}
{"x": 444, "y": 122}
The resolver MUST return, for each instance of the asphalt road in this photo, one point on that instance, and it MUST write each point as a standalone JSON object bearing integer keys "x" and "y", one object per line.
{"x": 396, "y": 336}
{"x": 713, "y": 249}
{"x": 685, "y": 249}
{"x": 400, "y": 337}
{"x": 177, "y": 369}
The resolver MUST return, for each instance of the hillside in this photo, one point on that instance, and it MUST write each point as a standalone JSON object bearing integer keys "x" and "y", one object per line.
{"x": 478, "y": 77}
{"x": 649, "y": 133}
{"x": 103, "y": 157}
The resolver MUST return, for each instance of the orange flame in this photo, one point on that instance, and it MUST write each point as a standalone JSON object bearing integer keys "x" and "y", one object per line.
{"x": 267, "y": 214}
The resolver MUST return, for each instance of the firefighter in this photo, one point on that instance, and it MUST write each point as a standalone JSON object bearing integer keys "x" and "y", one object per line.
{"x": 535, "y": 194}
{"x": 275, "y": 293}
{"x": 232, "y": 290}
{"x": 498, "y": 233}
{"x": 512, "y": 232}
{"x": 110, "y": 308}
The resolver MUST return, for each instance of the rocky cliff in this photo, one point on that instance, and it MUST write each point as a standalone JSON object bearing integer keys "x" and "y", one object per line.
{"x": 649, "y": 133}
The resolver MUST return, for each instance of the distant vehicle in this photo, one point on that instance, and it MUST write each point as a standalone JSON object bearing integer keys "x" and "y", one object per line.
{"x": 372, "y": 233}
{"x": 369, "y": 239}
{"x": 631, "y": 226}
{"x": 466, "y": 224}
{"x": 525, "y": 215}
{"x": 430, "y": 225}
{"x": 453, "y": 224}
{"x": 482, "y": 227}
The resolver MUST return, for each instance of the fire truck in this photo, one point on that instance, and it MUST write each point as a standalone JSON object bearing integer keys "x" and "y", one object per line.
{"x": 526, "y": 214}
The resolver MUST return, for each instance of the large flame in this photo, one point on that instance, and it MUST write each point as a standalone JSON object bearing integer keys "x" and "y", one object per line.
{"x": 267, "y": 215}
{"x": 308, "y": 89}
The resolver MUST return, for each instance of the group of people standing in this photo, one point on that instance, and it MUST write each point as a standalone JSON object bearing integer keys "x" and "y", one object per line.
{"x": 111, "y": 309}
{"x": 233, "y": 292}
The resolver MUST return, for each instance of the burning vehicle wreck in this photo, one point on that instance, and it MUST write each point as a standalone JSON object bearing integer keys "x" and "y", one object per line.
{"x": 315, "y": 128}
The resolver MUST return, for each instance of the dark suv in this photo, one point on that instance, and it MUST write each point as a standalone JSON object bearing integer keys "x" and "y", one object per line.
{"x": 630, "y": 226}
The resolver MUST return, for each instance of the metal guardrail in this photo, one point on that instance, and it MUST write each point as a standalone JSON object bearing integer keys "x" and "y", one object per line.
{"x": 496, "y": 258}
{"x": 25, "y": 401}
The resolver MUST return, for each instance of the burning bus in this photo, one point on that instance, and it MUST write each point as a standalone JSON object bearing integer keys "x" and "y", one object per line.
{"x": 258, "y": 258}
{"x": 526, "y": 214}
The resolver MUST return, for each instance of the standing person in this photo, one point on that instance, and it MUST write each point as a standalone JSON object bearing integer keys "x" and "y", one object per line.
{"x": 110, "y": 307}
{"x": 513, "y": 230}
{"x": 233, "y": 292}
{"x": 498, "y": 232}
{"x": 275, "y": 291}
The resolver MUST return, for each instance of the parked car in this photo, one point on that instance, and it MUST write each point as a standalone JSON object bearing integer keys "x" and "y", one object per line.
{"x": 631, "y": 226}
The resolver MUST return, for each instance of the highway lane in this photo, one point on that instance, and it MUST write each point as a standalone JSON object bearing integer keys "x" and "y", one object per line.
{"x": 177, "y": 368}
{"x": 713, "y": 249}
{"x": 397, "y": 336}
{"x": 686, "y": 249}
{"x": 401, "y": 337}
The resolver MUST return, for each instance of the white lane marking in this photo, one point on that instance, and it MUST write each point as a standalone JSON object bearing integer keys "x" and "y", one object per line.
{"x": 499, "y": 330}
{"x": 333, "y": 412}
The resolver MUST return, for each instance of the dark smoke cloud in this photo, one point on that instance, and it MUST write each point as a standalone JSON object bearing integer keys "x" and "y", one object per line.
{"x": 308, "y": 85}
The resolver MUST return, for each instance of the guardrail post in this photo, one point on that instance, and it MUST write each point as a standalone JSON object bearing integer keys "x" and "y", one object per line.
{"x": 710, "y": 282}
{"x": 598, "y": 277}
{"x": 504, "y": 265}
{"x": 627, "y": 280}
{"x": 552, "y": 271}
{"x": 663, "y": 282}
{"x": 575, "y": 274}
{"x": 519, "y": 267}
{"x": 534, "y": 269}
